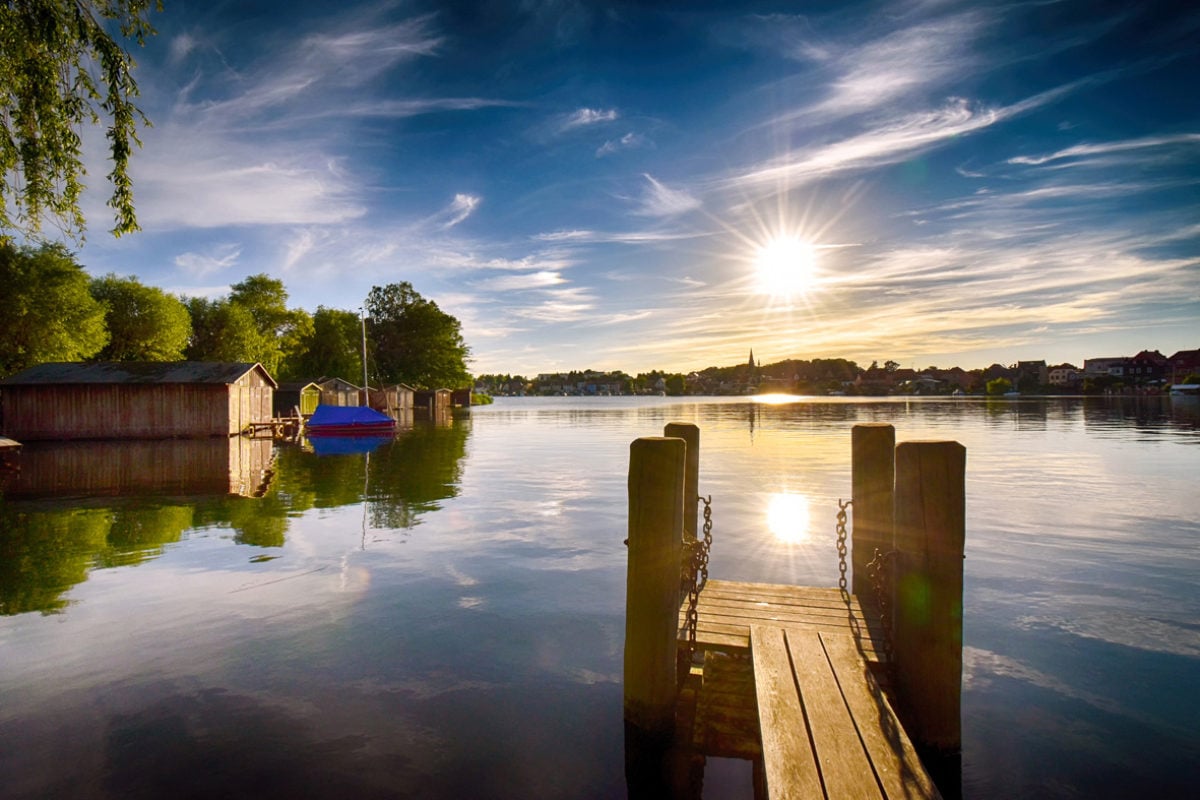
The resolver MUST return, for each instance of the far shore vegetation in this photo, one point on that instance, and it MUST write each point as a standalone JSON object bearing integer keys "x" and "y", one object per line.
{"x": 58, "y": 312}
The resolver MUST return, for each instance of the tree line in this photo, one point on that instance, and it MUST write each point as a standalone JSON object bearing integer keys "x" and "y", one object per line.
{"x": 55, "y": 311}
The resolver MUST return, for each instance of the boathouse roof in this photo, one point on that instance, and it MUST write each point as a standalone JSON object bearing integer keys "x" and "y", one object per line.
{"x": 106, "y": 372}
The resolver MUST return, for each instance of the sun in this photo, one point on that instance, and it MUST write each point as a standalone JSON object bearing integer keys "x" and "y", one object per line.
{"x": 786, "y": 266}
{"x": 787, "y": 517}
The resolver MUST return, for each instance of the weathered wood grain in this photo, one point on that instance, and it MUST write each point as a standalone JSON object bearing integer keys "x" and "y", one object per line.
{"x": 789, "y": 762}
{"x": 893, "y": 758}
{"x": 845, "y": 769}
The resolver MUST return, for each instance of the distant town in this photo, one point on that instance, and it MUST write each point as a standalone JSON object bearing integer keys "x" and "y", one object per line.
{"x": 1147, "y": 372}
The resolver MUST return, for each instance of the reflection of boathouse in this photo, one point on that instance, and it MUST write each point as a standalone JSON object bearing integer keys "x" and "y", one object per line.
{"x": 135, "y": 400}
{"x": 140, "y": 467}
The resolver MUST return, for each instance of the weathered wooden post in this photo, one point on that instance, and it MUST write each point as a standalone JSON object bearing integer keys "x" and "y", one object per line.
{"x": 690, "y": 434}
{"x": 656, "y": 512}
{"x": 872, "y": 473}
{"x": 930, "y": 525}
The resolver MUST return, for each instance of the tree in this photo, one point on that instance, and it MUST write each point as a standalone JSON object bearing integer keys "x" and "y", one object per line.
{"x": 331, "y": 347}
{"x": 891, "y": 366}
{"x": 226, "y": 331}
{"x": 284, "y": 329}
{"x": 60, "y": 70}
{"x": 415, "y": 342}
{"x": 144, "y": 322}
{"x": 49, "y": 314}
{"x": 999, "y": 386}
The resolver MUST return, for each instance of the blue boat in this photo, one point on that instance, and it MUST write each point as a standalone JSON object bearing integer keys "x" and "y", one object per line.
{"x": 348, "y": 421}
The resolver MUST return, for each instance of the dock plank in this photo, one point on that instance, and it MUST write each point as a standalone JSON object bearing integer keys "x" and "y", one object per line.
{"x": 727, "y": 609}
{"x": 845, "y": 767}
{"x": 893, "y": 757}
{"x": 789, "y": 763}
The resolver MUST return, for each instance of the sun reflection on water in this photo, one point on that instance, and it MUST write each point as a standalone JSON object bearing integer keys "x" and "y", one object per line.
{"x": 787, "y": 517}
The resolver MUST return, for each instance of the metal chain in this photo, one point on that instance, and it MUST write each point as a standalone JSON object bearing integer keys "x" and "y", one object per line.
{"x": 841, "y": 542}
{"x": 879, "y": 570}
{"x": 693, "y": 577}
{"x": 702, "y": 567}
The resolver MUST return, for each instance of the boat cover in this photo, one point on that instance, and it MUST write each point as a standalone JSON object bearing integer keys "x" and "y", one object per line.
{"x": 341, "y": 416}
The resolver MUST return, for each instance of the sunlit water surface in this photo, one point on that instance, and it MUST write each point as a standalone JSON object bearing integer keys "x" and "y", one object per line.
{"x": 443, "y": 616}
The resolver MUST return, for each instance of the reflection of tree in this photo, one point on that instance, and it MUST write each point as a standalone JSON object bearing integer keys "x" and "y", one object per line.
{"x": 45, "y": 549}
{"x": 409, "y": 476}
{"x": 262, "y": 522}
{"x": 43, "y": 553}
{"x": 140, "y": 533}
{"x": 305, "y": 481}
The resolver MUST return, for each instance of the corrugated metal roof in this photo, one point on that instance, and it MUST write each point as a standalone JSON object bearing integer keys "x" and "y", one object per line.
{"x": 134, "y": 372}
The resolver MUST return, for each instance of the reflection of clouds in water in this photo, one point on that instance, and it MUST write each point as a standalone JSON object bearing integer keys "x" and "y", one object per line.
{"x": 460, "y": 578}
{"x": 471, "y": 602}
{"x": 1176, "y": 637}
{"x": 982, "y": 667}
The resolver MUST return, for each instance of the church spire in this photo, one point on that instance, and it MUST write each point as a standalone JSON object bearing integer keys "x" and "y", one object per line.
{"x": 751, "y": 358}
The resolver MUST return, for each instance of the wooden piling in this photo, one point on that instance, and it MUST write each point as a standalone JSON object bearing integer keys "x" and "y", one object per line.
{"x": 656, "y": 513}
{"x": 930, "y": 514}
{"x": 690, "y": 433}
{"x": 873, "y": 471}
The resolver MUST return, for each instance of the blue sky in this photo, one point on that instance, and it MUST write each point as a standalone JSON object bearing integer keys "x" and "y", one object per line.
{"x": 590, "y": 185}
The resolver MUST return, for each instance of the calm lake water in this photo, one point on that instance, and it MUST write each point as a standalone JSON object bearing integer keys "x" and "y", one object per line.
{"x": 443, "y": 616}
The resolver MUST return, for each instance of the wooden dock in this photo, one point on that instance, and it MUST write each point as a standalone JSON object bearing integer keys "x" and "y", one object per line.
{"x": 790, "y": 678}
{"x": 277, "y": 428}
{"x": 798, "y": 680}
{"x": 10, "y": 449}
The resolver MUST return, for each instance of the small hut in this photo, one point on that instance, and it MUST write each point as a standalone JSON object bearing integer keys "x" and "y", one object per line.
{"x": 293, "y": 395}
{"x": 394, "y": 401}
{"x": 338, "y": 392}
{"x": 135, "y": 400}
{"x": 432, "y": 401}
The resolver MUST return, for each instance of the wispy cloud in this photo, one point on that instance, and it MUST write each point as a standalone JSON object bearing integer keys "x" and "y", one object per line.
{"x": 510, "y": 283}
{"x": 619, "y": 237}
{"x": 181, "y": 46}
{"x": 461, "y": 207}
{"x": 1106, "y": 148}
{"x": 201, "y": 265}
{"x": 887, "y": 142}
{"x": 659, "y": 200}
{"x": 587, "y": 116}
{"x": 318, "y": 67}
{"x": 561, "y": 305}
{"x": 226, "y": 183}
{"x": 891, "y": 68}
{"x": 627, "y": 142}
{"x": 412, "y": 107}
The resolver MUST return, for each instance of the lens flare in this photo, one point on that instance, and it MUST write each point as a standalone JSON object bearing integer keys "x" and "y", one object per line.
{"x": 787, "y": 517}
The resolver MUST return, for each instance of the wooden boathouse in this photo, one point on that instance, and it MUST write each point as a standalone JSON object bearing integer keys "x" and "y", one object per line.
{"x": 830, "y": 692}
{"x": 432, "y": 401}
{"x": 135, "y": 400}
{"x": 339, "y": 392}
{"x": 291, "y": 396}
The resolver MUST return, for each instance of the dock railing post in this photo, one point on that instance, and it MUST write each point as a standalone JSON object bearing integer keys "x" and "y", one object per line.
{"x": 872, "y": 474}
{"x": 690, "y": 434}
{"x": 930, "y": 525}
{"x": 656, "y": 513}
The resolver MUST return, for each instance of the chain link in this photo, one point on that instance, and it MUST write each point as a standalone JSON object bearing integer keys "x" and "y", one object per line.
{"x": 879, "y": 570}
{"x": 841, "y": 542}
{"x": 693, "y": 577}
